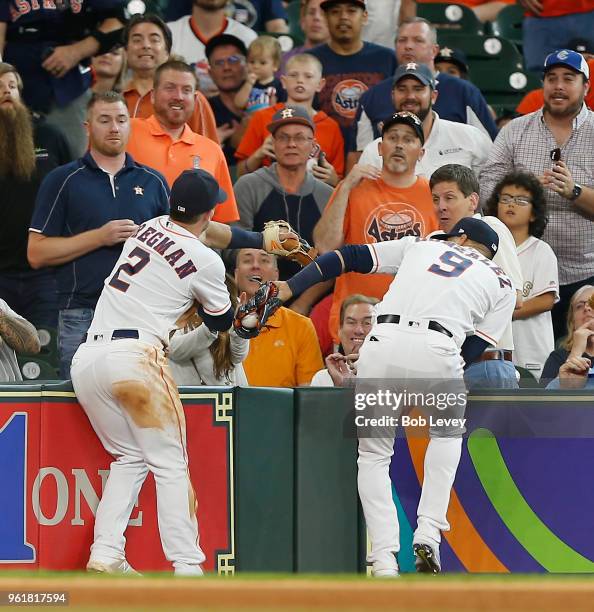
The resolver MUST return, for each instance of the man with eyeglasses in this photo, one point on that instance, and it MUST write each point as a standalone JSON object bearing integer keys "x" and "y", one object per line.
{"x": 286, "y": 190}
{"x": 226, "y": 55}
{"x": 372, "y": 206}
{"x": 455, "y": 192}
{"x": 556, "y": 143}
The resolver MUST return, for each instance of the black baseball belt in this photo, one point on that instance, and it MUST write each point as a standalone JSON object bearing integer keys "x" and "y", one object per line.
{"x": 434, "y": 325}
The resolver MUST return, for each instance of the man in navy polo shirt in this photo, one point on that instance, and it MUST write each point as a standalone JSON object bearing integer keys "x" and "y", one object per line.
{"x": 351, "y": 66}
{"x": 458, "y": 100}
{"x": 84, "y": 212}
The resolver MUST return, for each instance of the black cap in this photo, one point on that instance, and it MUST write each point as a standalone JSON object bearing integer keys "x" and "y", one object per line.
{"x": 581, "y": 45}
{"x": 326, "y": 4}
{"x": 453, "y": 56}
{"x": 290, "y": 114}
{"x": 222, "y": 40}
{"x": 195, "y": 192}
{"x": 405, "y": 118}
{"x": 476, "y": 230}
{"x": 421, "y": 72}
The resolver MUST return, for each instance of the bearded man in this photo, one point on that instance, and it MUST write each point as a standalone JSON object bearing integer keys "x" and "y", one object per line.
{"x": 557, "y": 144}
{"x": 29, "y": 149}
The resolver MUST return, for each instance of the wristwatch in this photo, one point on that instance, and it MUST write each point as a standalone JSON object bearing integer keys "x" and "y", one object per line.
{"x": 576, "y": 192}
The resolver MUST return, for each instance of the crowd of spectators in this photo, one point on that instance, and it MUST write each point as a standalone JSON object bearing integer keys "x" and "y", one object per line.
{"x": 364, "y": 131}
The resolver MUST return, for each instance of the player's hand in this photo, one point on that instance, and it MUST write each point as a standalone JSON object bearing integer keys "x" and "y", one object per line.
{"x": 284, "y": 292}
{"x": 534, "y": 6}
{"x": 325, "y": 172}
{"x": 62, "y": 60}
{"x": 338, "y": 369}
{"x": 359, "y": 172}
{"x": 117, "y": 231}
{"x": 559, "y": 179}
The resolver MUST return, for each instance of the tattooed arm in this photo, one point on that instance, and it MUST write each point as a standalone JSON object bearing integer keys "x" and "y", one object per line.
{"x": 18, "y": 333}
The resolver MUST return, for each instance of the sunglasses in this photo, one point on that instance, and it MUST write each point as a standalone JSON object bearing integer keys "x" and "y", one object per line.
{"x": 232, "y": 60}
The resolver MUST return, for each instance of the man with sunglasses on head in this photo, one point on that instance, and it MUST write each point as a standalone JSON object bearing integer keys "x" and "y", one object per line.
{"x": 226, "y": 55}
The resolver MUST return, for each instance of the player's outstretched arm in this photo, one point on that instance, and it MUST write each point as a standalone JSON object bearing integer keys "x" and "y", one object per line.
{"x": 350, "y": 258}
{"x": 18, "y": 333}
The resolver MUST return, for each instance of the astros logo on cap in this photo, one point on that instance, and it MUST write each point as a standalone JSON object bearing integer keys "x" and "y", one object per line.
{"x": 411, "y": 66}
{"x": 287, "y": 113}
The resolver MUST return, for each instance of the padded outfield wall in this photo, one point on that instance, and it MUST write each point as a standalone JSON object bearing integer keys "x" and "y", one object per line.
{"x": 275, "y": 476}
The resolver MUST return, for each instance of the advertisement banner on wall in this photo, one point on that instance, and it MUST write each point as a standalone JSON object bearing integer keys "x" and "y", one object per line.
{"x": 53, "y": 470}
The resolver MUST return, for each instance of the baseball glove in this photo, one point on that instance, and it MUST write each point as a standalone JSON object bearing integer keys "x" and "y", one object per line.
{"x": 251, "y": 317}
{"x": 296, "y": 249}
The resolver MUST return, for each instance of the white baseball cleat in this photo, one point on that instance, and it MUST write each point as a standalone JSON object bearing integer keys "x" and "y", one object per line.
{"x": 116, "y": 567}
{"x": 386, "y": 573}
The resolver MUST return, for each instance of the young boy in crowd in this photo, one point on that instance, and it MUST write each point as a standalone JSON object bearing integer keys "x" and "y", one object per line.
{"x": 261, "y": 89}
{"x": 303, "y": 79}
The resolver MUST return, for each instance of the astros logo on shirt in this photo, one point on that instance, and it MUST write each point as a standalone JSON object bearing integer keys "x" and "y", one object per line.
{"x": 346, "y": 95}
{"x": 392, "y": 221}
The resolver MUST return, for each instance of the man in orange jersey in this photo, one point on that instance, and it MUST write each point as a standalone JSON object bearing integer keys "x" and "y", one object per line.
{"x": 373, "y": 205}
{"x": 165, "y": 142}
{"x": 302, "y": 80}
{"x": 148, "y": 44}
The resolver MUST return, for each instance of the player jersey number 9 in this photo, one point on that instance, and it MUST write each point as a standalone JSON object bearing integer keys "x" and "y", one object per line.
{"x": 453, "y": 266}
{"x": 129, "y": 269}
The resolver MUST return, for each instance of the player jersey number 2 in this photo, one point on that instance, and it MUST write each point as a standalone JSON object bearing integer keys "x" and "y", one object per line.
{"x": 451, "y": 265}
{"x": 129, "y": 269}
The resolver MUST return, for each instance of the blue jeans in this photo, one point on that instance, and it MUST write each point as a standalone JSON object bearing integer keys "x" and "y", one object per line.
{"x": 494, "y": 374}
{"x": 543, "y": 35}
{"x": 31, "y": 294}
{"x": 72, "y": 326}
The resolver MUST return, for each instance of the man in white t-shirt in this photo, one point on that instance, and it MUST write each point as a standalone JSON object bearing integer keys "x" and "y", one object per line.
{"x": 383, "y": 19}
{"x": 356, "y": 319}
{"x": 192, "y": 32}
{"x": 446, "y": 142}
{"x": 455, "y": 191}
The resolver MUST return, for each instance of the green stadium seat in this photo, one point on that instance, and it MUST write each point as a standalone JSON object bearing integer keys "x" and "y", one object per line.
{"x": 294, "y": 15}
{"x": 503, "y": 85}
{"x": 508, "y": 24}
{"x": 451, "y": 17}
{"x": 35, "y": 368}
{"x": 481, "y": 48}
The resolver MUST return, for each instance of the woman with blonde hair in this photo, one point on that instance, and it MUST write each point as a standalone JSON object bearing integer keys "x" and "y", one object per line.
{"x": 198, "y": 356}
{"x": 572, "y": 362}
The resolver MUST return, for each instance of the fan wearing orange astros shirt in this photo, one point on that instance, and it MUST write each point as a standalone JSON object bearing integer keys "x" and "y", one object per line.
{"x": 165, "y": 142}
{"x": 302, "y": 80}
{"x": 372, "y": 206}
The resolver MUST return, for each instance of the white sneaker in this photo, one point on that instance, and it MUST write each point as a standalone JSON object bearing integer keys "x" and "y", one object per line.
{"x": 183, "y": 569}
{"x": 116, "y": 567}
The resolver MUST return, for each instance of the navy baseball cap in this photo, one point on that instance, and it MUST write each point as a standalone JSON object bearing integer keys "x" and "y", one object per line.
{"x": 476, "y": 230}
{"x": 421, "y": 72}
{"x": 453, "y": 56}
{"x": 405, "y": 118}
{"x": 195, "y": 192}
{"x": 328, "y": 3}
{"x": 581, "y": 45}
{"x": 290, "y": 114}
{"x": 223, "y": 40}
{"x": 569, "y": 58}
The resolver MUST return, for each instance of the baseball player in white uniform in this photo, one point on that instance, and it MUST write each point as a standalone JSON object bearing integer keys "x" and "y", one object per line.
{"x": 122, "y": 380}
{"x": 449, "y": 302}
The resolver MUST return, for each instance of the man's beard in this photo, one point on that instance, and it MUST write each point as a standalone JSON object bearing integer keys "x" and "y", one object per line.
{"x": 17, "y": 149}
{"x": 570, "y": 111}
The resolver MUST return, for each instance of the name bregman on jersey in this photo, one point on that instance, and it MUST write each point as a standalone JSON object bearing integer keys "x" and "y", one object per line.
{"x": 160, "y": 244}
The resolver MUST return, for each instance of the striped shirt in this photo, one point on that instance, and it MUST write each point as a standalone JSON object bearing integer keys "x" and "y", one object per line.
{"x": 9, "y": 368}
{"x": 525, "y": 144}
